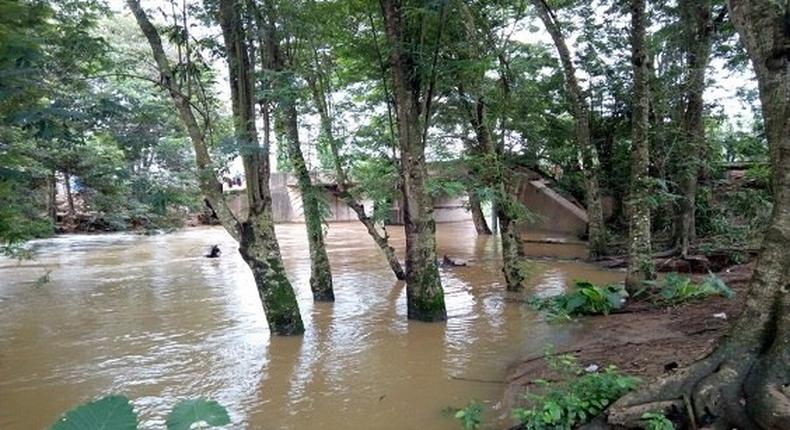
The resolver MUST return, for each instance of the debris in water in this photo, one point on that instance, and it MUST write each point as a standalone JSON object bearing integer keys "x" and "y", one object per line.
{"x": 453, "y": 262}
{"x": 214, "y": 252}
{"x": 720, "y": 315}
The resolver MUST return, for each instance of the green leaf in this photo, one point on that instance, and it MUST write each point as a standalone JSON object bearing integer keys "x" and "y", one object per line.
{"x": 575, "y": 302}
{"x": 107, "y": 413}
{"x": 188, "y": 412}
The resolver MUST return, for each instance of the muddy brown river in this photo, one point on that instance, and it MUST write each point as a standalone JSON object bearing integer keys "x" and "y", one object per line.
{"x": 149, "y": 317}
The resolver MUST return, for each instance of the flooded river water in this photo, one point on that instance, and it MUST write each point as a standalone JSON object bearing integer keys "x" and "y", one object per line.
{"x": 149, "y": 317}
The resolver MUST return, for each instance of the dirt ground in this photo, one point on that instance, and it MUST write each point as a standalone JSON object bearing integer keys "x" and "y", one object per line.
{"x": 643, "y": 340}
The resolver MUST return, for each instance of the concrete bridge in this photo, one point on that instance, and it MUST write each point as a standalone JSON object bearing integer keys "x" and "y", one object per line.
{"x": 552, "y": 212}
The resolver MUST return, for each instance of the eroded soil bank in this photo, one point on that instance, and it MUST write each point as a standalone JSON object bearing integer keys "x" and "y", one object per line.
{"x": 643, "y": 340}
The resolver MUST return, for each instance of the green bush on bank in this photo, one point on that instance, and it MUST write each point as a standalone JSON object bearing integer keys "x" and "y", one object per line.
{"x": 675, "y": 289}
{"x": 584, "y": 298}
{"x": 576, "y": 398}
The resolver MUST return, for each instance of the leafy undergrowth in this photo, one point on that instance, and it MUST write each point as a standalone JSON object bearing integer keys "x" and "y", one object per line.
{"x": 471, "y": 416}
{"x": 578, "y": 396}
{"x": 116, "y": 413}
{"x": 656, "y": 421}
{"x": 675, "y": 289}
{"x": 585, "y": 298}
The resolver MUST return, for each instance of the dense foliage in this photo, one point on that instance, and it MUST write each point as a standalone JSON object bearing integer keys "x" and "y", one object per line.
{"x": 576, "y": 398}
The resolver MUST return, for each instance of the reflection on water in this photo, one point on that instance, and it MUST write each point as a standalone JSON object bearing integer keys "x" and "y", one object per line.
{"x": 149, "y": 317}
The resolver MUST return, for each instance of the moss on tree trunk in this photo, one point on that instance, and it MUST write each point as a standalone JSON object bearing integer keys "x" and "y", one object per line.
{"x": 424, "y": 293}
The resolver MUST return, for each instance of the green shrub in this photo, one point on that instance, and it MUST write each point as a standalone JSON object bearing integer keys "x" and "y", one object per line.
{"x": 576, "y": 398}
{"x": 674, "y": 289}
{"x": 657, "y": 421}
{"x": 584, "y": 299}
{"x": 470, "y": 416}
{"x": 116, "y": 413}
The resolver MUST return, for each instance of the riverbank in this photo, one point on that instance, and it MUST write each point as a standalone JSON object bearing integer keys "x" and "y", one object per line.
{"x": 642, "y": 340}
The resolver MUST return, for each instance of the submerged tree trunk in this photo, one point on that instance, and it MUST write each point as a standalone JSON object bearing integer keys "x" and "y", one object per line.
{"x": 744, "y": 382}
{"x": 478, "y": 217}
{"x": 343, "y": 193}
{"x": 698, "y": 26}
{"x": 581, "y": 114}
{"x": 281, "y": 81}
{"x": 640, "y": 265}
{"x": 425, "y": 296}
{"x": 257, "y": 241}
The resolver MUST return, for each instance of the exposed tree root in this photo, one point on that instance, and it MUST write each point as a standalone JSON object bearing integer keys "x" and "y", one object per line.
{"x": 729, "y": 389}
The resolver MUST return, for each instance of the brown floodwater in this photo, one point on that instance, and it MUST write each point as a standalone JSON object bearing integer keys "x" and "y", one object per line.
{"x": 151, "y": 318}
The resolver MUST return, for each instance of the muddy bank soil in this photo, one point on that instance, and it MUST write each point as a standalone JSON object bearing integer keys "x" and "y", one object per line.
{"x": 643, "y": 340}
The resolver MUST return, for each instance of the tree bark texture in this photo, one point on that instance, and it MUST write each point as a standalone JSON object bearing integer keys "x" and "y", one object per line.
{"x": 744, "y": 382}
{"x": 425, "y": 296}
{"x": 52, "y": 198}
{"x": 478, "y": 217}
{"x": 640, "y": 266}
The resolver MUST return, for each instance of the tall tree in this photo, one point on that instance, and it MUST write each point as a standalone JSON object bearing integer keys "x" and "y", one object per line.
{"x": 743, "y": 382}
{"x": 413, "y": 74}
{"x": 318, "y": 82}
{"x": 257, "y": 240}
{"x": 281, "y": 84}
{"x": 640, "y": 265}
{"x": 697, "y": 27}
{"x": 489, "y": 164}
{"x": 581, "y": 115}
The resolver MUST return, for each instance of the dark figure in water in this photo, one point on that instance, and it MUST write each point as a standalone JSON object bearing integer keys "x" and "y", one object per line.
{"x": 214, "y": 252}
{"x": 453, "y": 262}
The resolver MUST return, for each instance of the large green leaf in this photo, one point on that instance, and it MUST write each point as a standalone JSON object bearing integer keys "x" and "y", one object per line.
{"x": 188, "y": 412}
{"x": 107, "y": 413}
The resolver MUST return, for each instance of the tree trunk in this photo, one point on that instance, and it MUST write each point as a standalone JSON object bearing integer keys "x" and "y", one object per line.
{"x": 744, "y": 382}
{"x": 425, "y": 296}
{"x": 257, "y": 241}
{"x": 492, "y": 172}
{"x": 52, "y": 198}
{"x": 69, "y": 196}
{"x": 581, "y": 114}
{"x": 320, "y": 101}
{"x": 478, "y": 217}
{"x": 698, "y": 25}
{"x": 320, "y": 272}
{"x": 281, "y": 82}
{"x": 640, "y": 266}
